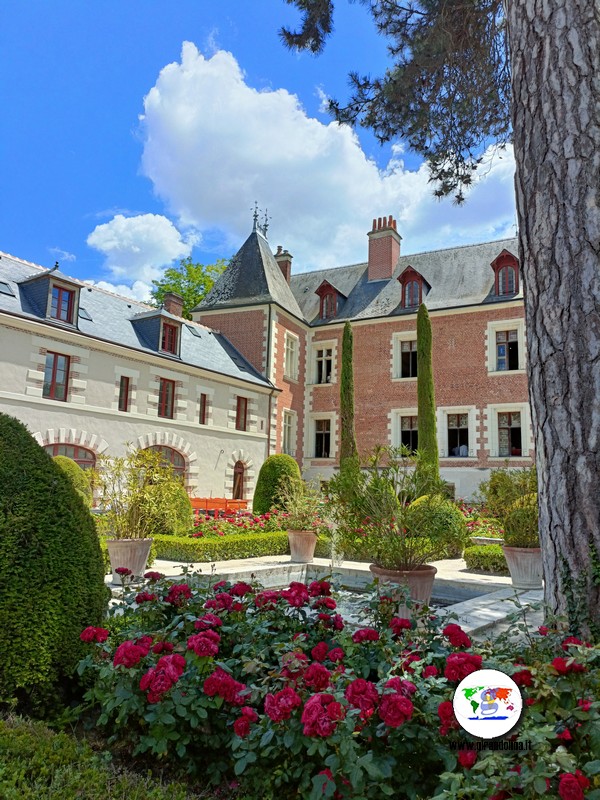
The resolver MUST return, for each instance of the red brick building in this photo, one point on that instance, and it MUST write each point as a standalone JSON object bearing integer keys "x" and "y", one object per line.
{"x": 290, "y": 327}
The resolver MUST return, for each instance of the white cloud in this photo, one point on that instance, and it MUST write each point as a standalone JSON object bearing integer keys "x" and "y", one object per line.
{"x": 213, "y": 145}
{"x": 138, "y": 248}
{"x": 62, "y": 255}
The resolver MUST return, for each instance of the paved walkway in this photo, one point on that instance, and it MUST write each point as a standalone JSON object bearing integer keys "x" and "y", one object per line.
{"x": 483, "y": 603}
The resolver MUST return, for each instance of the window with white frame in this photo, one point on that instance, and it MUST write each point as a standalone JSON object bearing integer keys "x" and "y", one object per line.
{"x": 324, "y": 365}
{"x": 506, "y": 345}
{"x": 404, "y": 355}
{"x": 508, "y": 430}
{"x": 288, "y": 444}
{"x": 457, "y": 432}
{"x": 290, "y": 364}
{"x": 322, "y": 438}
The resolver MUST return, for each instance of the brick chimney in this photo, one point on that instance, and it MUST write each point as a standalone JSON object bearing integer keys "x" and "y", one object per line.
{"x": 284, "y": 259}
{"x": 173, "y": 303}
{"x": 384, "y": 248}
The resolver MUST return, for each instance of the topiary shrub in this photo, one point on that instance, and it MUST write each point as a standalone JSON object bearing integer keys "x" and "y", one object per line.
{"x": 521, "y": 523}
{"x": 486, "y": 558}
{"x": 441, "y": 519}
{"x": 504, "y": 487}
{"x": 51, "y": 573}
{"x": 77, "y": 476}
{"x": 267, "y": 485}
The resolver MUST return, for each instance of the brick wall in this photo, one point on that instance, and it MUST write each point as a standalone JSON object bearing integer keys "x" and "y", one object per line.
{"x": 292, "y": 394}
{"x": 245, "y": 330}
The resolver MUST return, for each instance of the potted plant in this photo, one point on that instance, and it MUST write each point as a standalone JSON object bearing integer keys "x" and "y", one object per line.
{"x": 522, "y": 544}
{"x": 135, "y": 493}
{"x": 301, "y": 505}
{"x": 377, "y": 519}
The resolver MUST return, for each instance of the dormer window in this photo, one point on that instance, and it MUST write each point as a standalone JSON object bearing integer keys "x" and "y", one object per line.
{"x": 506, "y": 272}
{"x": 329, "y": 297}
{"x": 169, "y": 338}
{"x": 62, "y": 304}
{"x": 414, "y": 286}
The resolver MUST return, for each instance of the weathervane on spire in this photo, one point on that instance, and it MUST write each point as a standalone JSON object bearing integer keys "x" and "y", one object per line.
{"x": 255, "y": 215}
{"x": 265, "y": 225}
{"x": 260, "y": 227}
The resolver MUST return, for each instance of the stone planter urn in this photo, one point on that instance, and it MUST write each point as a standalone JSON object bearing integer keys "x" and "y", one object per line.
{"x": 419, "y": 582}
{"x": 525, "y": 566}
{"x": 479, "y": 540}
{"x": 302, "y": 546}
{"x": 130, "y": 553}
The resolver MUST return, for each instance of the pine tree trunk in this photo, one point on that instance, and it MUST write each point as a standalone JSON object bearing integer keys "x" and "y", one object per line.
{"x": 347, "y": 435}
{"x": 555, "y": 61}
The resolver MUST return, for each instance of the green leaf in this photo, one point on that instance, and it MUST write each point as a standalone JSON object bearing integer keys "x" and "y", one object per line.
{"x": 539, "y": 784}
{"x": 592, "y": 767}
{"x": 240, "y": 765}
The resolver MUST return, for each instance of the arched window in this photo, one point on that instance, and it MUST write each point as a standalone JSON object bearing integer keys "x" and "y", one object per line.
{"x": 81, "y": 455}
{"x": 171, "y": 457}
{"x": 412, "y": 291}
{"x": 507, "y": 280}
{"x": 506, "y": 274}
{"x": 238, "y": 481}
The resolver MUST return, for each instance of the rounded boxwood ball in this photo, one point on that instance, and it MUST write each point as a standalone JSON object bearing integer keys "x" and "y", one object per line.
{"x": 51, "y": 574}
{"x": 267, "y": 485}
{"x": 77, "y": 477}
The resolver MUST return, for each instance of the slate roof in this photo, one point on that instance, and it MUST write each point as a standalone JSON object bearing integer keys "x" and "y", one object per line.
{"x": 458, "y": 276}
{"x": 252, "y": 278}
{"x": 112, "y": 319}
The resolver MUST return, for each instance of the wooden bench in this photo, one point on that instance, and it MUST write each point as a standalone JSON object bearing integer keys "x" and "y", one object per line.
{"x": 217, "y": 506}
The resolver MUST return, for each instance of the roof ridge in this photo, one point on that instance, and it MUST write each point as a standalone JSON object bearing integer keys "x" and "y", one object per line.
{"x": 24, "y": 261}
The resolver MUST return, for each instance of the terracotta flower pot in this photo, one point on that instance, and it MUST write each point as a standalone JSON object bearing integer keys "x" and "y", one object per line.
{"x": 525, "y": 565}
{"x": 130, "y": 553}
{"x": 419, "y": 582}
{"x": 302, "y": 546}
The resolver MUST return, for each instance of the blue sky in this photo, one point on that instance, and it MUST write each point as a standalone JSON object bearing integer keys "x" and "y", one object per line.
{"x": 136, "y": 133}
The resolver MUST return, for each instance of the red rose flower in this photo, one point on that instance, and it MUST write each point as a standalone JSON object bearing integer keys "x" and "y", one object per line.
{"x": 362, "y": 694}
{"x": 407, "y": 688}
{"x": 123, "y": 571}
{"x": 395, "y": 709}
{"x": 319, "y": 651}
{"x": 242, "y": 724}
{"x": 219, "y": 585}
{"x": 565, "y": 735}
{"x": 158, "y": 680}
{"x": 543, "y": 630}
{"x": 208, "y": 621}
{"x": 399, "y": 625}
{"x": 296, "y": 594}
{"x": 568, "y": 641}
{"x": 319, "y": 588}
{"x": 221, "y": 684}
{"x": 337, "y": 654}
{"x": 92, "y": 634}
{"x": 334, "y": 621}
{"x": 405, "y": 665}
{"x": 585, "y": 705}
{"x": 430, "y": 671}
{"x": 569, "y": 787}
{"x": 523, "y": 678}
{"x": 163, "y": 647}
{"x": 466, "y": 758}
{"x": 447, "y": 718}
{"x": 279, "y": 706}
{"x": 293, "y": 665}
{"x": 221, "y": 602}
{"x": 459, "y": 665}
{"x": 317, "y": 677}
{"x": 204, "y": 644}
{"x": 266, "y": 599}
{"x": 365, "y": 635}
{"x": 144, "y": 597}
{"x": 153, "y": 576}
{"x": 316, "y": 718}
{"x": 128, "y": 654}
{"x": 456, "y": 636}
{"x": 178, "y": 593}
{"x": 325, "y": 602}
{"x": 565, "y": 665}
{"x": 241, "y": 589}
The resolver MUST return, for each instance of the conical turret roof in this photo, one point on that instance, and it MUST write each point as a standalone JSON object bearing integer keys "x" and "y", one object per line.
{"x": 252, "y": 278}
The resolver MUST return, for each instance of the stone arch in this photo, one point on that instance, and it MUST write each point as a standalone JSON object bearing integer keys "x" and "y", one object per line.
{"x": 177, "y": 443}
{"x": 90, "y": 441}
{"x": 249, "y": 475}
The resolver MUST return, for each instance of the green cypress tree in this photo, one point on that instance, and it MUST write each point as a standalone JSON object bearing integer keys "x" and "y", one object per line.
{"x": 428, "y": 446}
{"x": 348, "y": 447}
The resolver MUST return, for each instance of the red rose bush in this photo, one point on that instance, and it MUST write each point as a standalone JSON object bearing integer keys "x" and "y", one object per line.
{"x": 275, "y": 690}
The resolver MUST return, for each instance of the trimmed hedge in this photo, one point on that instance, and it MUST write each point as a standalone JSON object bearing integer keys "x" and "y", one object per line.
{"x": 77, "y": 476}
{"x": 51, "y": 573}
{"x": 37, "y": 764}
{"x": 221, "y": 548}
{"x": 486, "y": 558}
